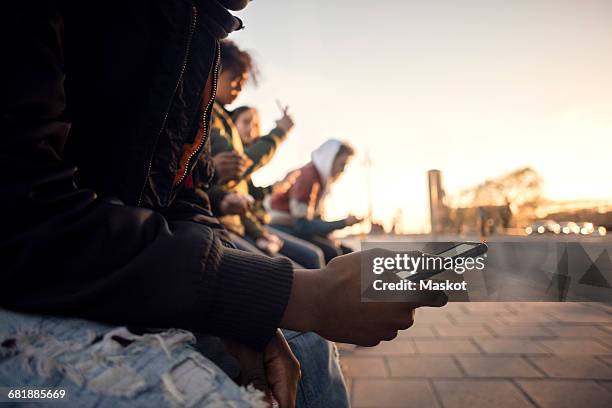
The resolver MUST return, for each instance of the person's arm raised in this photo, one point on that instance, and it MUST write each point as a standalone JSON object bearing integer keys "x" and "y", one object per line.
{"x": 264, "y": 148}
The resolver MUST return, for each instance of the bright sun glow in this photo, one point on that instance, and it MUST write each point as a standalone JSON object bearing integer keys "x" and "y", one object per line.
{"x": 474, "y": 88}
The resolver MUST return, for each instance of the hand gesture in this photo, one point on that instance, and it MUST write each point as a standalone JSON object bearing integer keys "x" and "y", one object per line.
{"x": 352, "y": 220}
{"x": 286, "y": 121}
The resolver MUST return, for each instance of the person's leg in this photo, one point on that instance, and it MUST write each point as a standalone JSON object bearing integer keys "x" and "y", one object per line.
{"x": 330, "y": 250}
{"x": 322, "y": 384}
{"x": 283, "y": 228}
{"x": 345, "y": 250}
{"x": 105, "y": 366}
{"x": 306, "y": 254}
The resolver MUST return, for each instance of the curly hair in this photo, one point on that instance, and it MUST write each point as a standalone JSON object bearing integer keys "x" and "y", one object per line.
{"x": 238, "y": 61}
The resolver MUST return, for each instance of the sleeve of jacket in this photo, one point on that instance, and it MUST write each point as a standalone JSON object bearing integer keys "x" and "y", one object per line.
{"x": 67, "y": 252}
{"x": 219, "y": 142}
{"x": 263, "y": 149}
{"x": 258, "y": 193}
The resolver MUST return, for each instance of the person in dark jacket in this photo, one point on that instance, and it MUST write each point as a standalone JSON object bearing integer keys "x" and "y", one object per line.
{"x": 103, "y": 116}
{"x": 238, "y": 68}
{"x": 119, "y": 117}
{"x": 246, "y": 230}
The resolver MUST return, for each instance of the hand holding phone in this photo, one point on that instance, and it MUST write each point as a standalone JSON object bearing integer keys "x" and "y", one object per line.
{"x": 462, "y": 250}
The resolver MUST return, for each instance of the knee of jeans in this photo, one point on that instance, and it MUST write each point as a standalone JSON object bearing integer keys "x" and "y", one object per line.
{"x": 330, "y": 252}
{"x": 314, "y": 259}
{"x": 119, "y": 364}
{"x": 345, "y": 250}
{"x": 312, "y": 346}
{"x": 102, "y": 362}
{"x": 318, "y": 257}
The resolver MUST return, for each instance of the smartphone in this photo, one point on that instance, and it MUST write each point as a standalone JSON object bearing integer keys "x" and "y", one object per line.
{"x": 462, "y": 250}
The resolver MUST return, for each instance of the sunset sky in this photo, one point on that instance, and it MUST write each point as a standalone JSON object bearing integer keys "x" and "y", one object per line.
{"x": 473, "y": 88}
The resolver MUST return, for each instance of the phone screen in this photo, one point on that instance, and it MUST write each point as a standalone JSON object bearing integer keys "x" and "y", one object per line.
{"x": 453, "y": 252}
{"x": 457, "y": 250}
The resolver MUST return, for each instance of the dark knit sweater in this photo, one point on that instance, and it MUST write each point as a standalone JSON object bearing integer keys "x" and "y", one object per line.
{"x": 83, "y": 244}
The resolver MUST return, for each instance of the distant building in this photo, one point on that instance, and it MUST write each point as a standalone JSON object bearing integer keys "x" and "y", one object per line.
{"x": 437, "y": 207}
{"x": 470, "y": 219}
{"x": 486, "y": 220}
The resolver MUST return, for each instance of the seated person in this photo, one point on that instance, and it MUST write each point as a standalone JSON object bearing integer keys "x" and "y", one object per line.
{"x": 117, "y": 244}
{"x": 246, "y": 119}
{"x": 297, "y": 211}
{"x": 234, "y": 163}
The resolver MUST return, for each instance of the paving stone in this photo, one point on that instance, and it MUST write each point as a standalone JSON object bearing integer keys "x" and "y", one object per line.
{"x": 394, "y": 348}
{"x": 520, "y": 331}
{"x": 477, "y": 319}
{"x": 431, "y": 317}
{"x": 527, "y": 319}
{"x": 600, "y": 306}
{"x": 577, "y": 331}
{"x": 490, "y": 366}
{"x": 364, "y": 367}
{"x": 415, "y": 332}
{"x": 487, "y": 307}
{"x": 463, "y": 331}
{"x": 606, "y": 384}
{"x": 605, "y": 339}
{"x": 519, "y": 340}
{"x": 444, "y": 346}
{"x": 575, "y": 347}
{"x": 480, "y": 394}
{"x": 573, "y": 367}
{"x": 511, "y": 346}
{"x": 583, "y": 316}
{"x": 452, "y": 307}
{"x": 419, "y": 366}
{"x": 558, "y": 307}
{"x": 392, "y": 393}
{"x": 567, "y": 394}
{"x": 535, "y": 306}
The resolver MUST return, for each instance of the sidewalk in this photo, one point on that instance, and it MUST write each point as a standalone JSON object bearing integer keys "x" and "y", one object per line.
{"x": 490, "y": 355}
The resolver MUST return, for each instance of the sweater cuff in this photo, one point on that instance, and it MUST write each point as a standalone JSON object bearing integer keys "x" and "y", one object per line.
{"x": 251, "y": 295}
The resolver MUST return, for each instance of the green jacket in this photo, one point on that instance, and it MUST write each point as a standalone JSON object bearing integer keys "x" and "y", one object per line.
{"x": 224, "y": 137}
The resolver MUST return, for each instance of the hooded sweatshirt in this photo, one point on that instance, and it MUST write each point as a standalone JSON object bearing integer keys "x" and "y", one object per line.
{"x": 301, "y": 205}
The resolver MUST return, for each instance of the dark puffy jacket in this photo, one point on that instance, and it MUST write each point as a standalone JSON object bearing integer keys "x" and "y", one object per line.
{"x": 117, "y": 90}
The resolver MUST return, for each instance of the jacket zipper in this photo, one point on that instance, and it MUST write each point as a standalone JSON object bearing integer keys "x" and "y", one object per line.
{"x": 192, "y": 27}
{"x": 204, "y": 116}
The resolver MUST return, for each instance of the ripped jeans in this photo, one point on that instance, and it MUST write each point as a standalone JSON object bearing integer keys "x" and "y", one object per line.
{"x": 106, "y": 366}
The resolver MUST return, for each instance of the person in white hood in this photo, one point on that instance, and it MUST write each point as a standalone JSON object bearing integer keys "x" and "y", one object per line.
{"x": 298, "y": 210}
